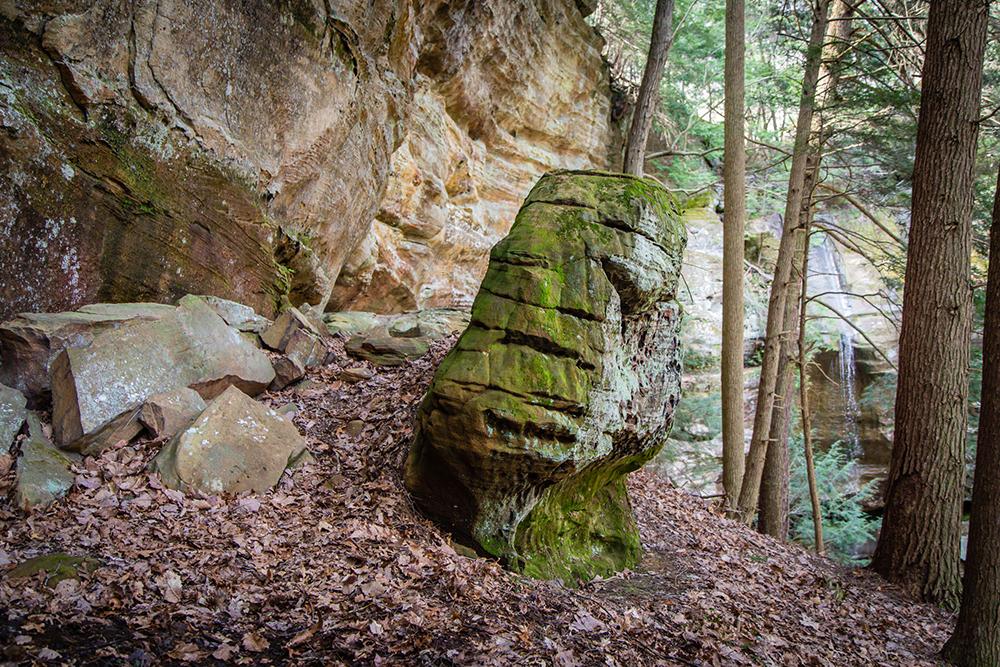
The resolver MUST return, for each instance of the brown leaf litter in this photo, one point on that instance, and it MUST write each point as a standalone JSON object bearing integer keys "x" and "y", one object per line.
{"x": 334, "y": 566}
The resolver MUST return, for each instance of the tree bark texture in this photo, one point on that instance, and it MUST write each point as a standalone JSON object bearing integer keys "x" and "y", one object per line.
{"x": 919, "y": 543}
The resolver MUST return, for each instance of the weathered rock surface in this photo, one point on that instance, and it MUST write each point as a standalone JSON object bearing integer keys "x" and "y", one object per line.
{"x": 30, "y": 342}
{"x": 299, "y": 337}
{"x": 287, "y": 369}
{"x": 386, "y": 350}
{"x": 565, "y": 380}
{"x": 392, "y": 340}
{"x": 44, "y": 472}
{"x": 237, "y": 444}
{"x": 12, "y": 414}
{"x": 98, "y": 390}
{"x": 242, "y": 148}
{"x": 237, "y": 315}
{"x": 505, "y": 92}
{"x": 167, "y": 413}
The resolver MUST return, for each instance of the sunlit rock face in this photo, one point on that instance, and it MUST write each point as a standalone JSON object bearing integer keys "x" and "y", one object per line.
{"x": 155, "y": 148}
{"x": 565, "y": 380}
{"x": 505, "y": 92}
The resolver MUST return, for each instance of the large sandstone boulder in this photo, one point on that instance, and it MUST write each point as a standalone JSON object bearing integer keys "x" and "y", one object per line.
{"x": 565, "y": 380}
{"x": 30, "y": 342}
{"x": 97, "y": 390}
{"x": 237, "y": 444}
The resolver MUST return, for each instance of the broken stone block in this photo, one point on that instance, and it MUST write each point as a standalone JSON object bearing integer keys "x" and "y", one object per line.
{"x": 236, "y": 315}
{"x": 287, "y": 369}
{"x": 44, "y": 472}
{"x": 564, "y": 382}
{"x": 94, "y": 387}
{"x": 386, "y": 350}
{"x": 30, "y": 342}
{"x": 278, "y": 335}
{"x": 356, "y": 374}
{"x": 299, "y": 336}
{"x": 236, "y": 445}
{"x": 167, "y": 413}
{"x": 12, "y": 414}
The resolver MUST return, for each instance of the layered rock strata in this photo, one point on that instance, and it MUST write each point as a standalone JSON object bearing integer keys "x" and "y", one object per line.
{"x": 565, "y": 380}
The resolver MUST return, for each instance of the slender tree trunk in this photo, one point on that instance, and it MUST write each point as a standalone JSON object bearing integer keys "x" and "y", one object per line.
{"x": 976, "y": 642}
{"x": 775, "y": 330}
{"x": 645, "y": 105}
{"x": 734, "y": 202}
{"x": 919, "y": 543}
{"x": 817, "y": 510}
{"x": 773, "y": 518}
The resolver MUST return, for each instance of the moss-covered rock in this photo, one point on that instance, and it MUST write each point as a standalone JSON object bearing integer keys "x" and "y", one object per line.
{"x": 565, "y": 380}
{"x": 56, "y": 566}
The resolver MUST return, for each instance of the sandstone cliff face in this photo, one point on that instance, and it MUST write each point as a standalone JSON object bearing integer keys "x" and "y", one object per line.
{"x": 505, "y": 92}
{"x": 150, "y": 148}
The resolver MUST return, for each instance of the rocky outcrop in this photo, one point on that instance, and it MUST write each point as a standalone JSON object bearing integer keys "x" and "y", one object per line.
{"x": 505, "y": 92}
{"x": 565, "y": 380}
{"x": 98, "y": 390}
{"x": 235, "y": 445}
{"x": 241, "y": 149}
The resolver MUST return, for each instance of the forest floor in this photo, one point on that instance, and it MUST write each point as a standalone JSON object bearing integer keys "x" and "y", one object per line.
{"x": 335, "y": 566}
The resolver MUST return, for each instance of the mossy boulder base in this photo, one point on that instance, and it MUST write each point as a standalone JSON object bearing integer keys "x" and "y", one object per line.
{"x": 565, "y": 380}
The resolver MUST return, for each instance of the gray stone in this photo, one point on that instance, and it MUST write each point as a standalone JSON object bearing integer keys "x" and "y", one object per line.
{"x": 94, "y": 388}
{"x": 31, "y": 342}
{"x": 167, "y": 413}
{"x": 44, "y": 472}
{"x": 386, "y": 350}
{"x": 352, "y": 322}
{"x": 236, "y": 315}
{"x": 356, "y": 374}
{"x": 12, "y": 414}
{"x": 236, "y": 445}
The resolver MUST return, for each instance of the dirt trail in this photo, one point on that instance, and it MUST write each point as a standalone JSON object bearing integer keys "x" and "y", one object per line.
{"x": 335, "y": 566}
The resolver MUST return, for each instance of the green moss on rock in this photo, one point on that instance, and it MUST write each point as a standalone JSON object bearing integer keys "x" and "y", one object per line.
{"x": 564, "y": 382}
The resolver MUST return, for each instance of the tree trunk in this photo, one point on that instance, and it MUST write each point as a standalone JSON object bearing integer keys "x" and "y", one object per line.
{"x": 734, "y": 202}
{"x": 919, "y": 543}
{"x": 976, "y": 642}
{"x": 645, "y": 105}
{"x": 773, "y": 518}
{"x": 817, "y": 510}
{"x": 775, "y": 330}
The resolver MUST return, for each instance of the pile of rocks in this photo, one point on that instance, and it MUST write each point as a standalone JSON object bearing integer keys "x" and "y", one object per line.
{"x": 184, "y": 374}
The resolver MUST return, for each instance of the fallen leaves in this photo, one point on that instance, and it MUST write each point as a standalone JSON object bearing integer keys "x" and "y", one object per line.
{"x": 334, "y": 566}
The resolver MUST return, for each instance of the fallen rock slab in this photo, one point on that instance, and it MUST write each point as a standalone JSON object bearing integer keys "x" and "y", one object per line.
{"x": 44, "y": 473}
{"x": 236, "y": 445}
{"x": 57, "y": 566}
{"x": 12, "y": 414}
{"x": 237, "y": 315}
{"x": 565, "y": 380}
{"x": 299, "y": 336}
{"x": 31, "y": 342}
{"x": 386, "y": 350}
{"x": 96, "y": 390}
{"x": 287, "y": 369}
{"x": 167, "y": 413}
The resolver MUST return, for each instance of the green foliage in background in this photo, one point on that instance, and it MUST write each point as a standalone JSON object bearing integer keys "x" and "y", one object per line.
{"x": 846, "y": 527}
